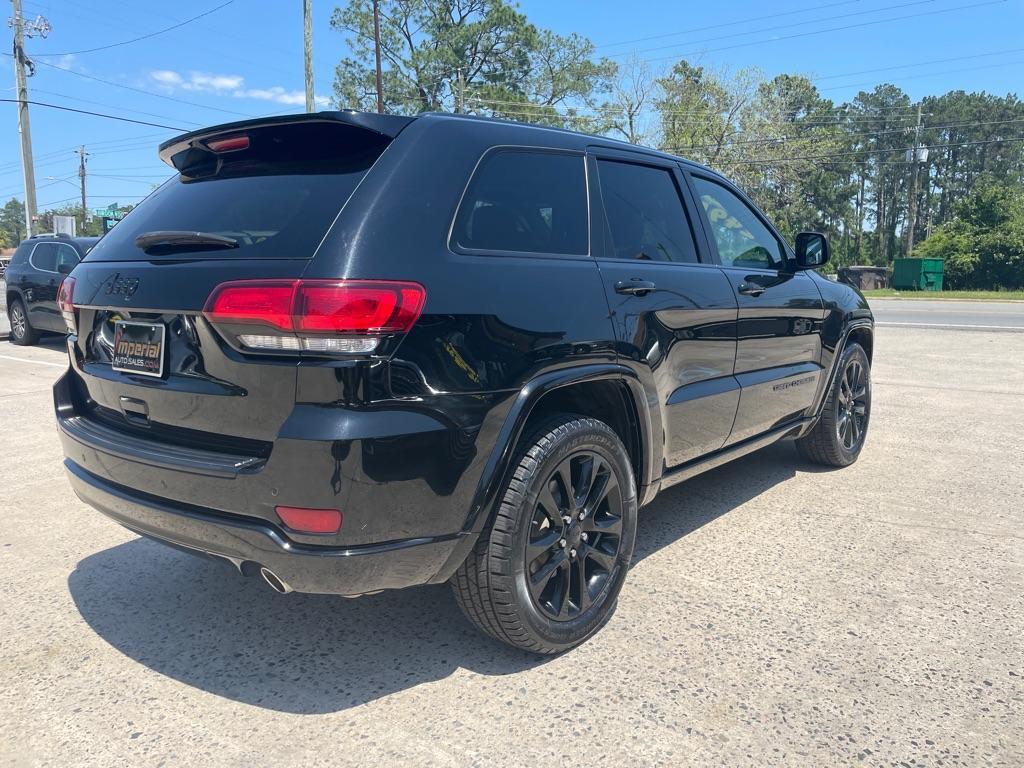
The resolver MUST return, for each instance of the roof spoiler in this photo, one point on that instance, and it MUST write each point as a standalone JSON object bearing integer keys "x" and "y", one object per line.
{"x": 388, "y": 126}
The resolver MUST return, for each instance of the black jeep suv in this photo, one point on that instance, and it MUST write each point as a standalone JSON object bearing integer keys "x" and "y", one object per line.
{"x": 353, "y": 352}
{"x": 37, "y": 269}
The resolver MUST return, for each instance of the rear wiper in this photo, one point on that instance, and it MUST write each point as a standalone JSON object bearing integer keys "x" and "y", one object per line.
{"x": 174, "y": 240}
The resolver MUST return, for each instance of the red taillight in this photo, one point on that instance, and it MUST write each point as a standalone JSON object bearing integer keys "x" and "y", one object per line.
{"x": 65, "y": 303}
{"x": 306, "y": 520}
{"x": 358, "y": 307}
{"x": 229, "y": 143}
{"x": 262, "y": 302}
{"x": 330, "y": 316}
{"x": 66, "y": 295}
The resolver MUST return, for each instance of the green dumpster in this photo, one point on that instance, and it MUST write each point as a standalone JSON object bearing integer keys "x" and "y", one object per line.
{"x": 917, "y": 274}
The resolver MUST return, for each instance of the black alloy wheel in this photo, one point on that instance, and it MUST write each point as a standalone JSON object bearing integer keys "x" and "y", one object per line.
{"x": 22, "y": 332}
{"x": 575, "y": 535}
{"x": 546, "y": 572}
{"x": 852, "y": 405}
{"x": 837, "y": 438}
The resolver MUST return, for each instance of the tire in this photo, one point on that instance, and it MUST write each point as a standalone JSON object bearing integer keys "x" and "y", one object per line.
{"x": 22, "y": 332}
{"x": 526, "y": 544}
{"x": 838, "y": 437}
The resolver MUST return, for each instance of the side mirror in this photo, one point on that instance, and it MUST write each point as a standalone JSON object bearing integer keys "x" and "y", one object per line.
{"x": 812, "y": 250}
{"x": 64, "y": 268}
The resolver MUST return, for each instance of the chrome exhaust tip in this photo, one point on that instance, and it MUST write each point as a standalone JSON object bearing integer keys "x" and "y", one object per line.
{"x": 276, "y": 583}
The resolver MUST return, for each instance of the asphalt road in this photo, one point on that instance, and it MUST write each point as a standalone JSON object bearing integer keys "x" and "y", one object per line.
{"x": 950, "y": 314}
{"x": 776, "y": 614}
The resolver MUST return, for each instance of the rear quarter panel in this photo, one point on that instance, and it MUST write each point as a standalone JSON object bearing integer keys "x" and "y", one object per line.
{"x": 412, "y": 434}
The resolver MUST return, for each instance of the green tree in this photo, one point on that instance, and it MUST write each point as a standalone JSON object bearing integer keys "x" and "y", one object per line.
{"x": 700, "y": 110}
{"x": 984, "y": 245}
{"x": 480, "y": 56}
{"x": 12, "y": 222}
{"x": 787, "y": 128}
{"x": 626, "y": 113}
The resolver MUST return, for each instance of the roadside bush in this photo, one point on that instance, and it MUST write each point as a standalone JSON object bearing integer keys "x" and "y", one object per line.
{"x": 984, "y": 246}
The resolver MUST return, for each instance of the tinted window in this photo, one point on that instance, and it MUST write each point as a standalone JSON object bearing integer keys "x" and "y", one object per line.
{"x": 645, "y": 214}
{"x": 277, "y": 198}
{"x": 66, "y": 256}
{"x": 531, "y": 202}
{"x": 45, "y": 257}
{"x": 742, "y": 238}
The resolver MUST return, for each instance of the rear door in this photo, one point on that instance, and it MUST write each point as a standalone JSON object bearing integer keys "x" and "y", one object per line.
{"x": 778, "y": 354}
{"x": 270, "y": 203}
{"x": 41, "y": 283}
{"x": 673, "y": 311}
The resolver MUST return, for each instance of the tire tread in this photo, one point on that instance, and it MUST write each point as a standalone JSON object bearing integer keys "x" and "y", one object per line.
{"x": 483, "y": 584}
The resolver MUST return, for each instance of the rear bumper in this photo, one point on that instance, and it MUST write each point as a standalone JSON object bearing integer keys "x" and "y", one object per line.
{"x": 249, "y": 542}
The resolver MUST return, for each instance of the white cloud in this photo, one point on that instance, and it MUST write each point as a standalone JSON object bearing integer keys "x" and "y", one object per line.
{"x": 197, "y": 81}
{"x": 64, "y": 61}
{"x": 234, "y": 85}
{"x": 166, "y": 77}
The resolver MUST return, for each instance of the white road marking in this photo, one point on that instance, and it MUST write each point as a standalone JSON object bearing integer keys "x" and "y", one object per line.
{"x": 30, "y": 360}
{"x": 938, "y": 311}
{"x": 957, "y": 327}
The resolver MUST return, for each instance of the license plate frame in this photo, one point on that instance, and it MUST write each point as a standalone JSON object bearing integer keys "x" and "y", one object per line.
{"x": 141, "y": 360}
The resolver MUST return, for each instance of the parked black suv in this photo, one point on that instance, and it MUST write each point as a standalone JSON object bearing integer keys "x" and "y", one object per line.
{"x": 354, "y": 352}
{"x": 33, "y": 278}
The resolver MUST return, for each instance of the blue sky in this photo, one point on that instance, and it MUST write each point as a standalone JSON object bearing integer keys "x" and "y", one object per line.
{"x": 245, "y": 59}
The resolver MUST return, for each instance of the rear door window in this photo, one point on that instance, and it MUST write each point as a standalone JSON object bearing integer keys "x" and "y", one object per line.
{"x": 277, "y": 198}
{"x": 44, "y": 257}
{"x": 523, "y": 201}
{"x": 66, "y": 256}
{"x": 645, "y": 215}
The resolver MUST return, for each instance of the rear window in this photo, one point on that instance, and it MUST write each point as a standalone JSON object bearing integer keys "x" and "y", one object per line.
{"x": 44, "y": 257}
{"x": 525, "y": 202}
{"x": 277, "y": 198}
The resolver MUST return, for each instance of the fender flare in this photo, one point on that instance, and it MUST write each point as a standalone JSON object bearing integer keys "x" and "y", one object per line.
{"x": 851, "y": 325}
{"x": 499, "y": 463}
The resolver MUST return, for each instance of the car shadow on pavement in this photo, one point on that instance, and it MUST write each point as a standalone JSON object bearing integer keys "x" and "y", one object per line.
{"x": 199, "y": 622}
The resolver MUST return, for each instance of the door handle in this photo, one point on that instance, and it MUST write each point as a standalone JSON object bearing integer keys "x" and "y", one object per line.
{"x": 635, "y": 287}
{"x": 750, "y": 289}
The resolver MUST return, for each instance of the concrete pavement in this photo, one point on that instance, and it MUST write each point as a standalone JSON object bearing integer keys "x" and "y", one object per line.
{"x": 950, "y": 314}
{"x": 776, "y": 614}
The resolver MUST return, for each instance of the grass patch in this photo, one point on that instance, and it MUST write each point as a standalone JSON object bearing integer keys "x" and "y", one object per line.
{"x": 975, "y": 295}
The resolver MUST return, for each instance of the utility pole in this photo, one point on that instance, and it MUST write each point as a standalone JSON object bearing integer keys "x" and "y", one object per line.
{"x": 82, "y": 154}
{"x": 460, "y": 102}
{"x": 307, "y": 39}
{"x": 22, "y": 30}
{"x": 376, "y": 51}
{"x": 914, "y": 174}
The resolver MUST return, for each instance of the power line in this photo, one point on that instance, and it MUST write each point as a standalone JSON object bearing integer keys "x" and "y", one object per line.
{"x": 859, "y": 152}
{"x": 15, "y": 190}
{"x": 798, "y": 124}
{"x": 104, "y": 197}
{"x": 843, "y": 136}
{"x": 143, "y": 37}
{"x": 780, "y": 26}
{"x": 139, "y": 90}
{"x": 112, "y": 106}
{"x": 523, "y": 108}
{"x": 915, "y": 64}
{"x": 831, "y": 29}
{"x": 94, "y": 114}
{"x": 724, "y": 24}
{"x": 927, "y": 74}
